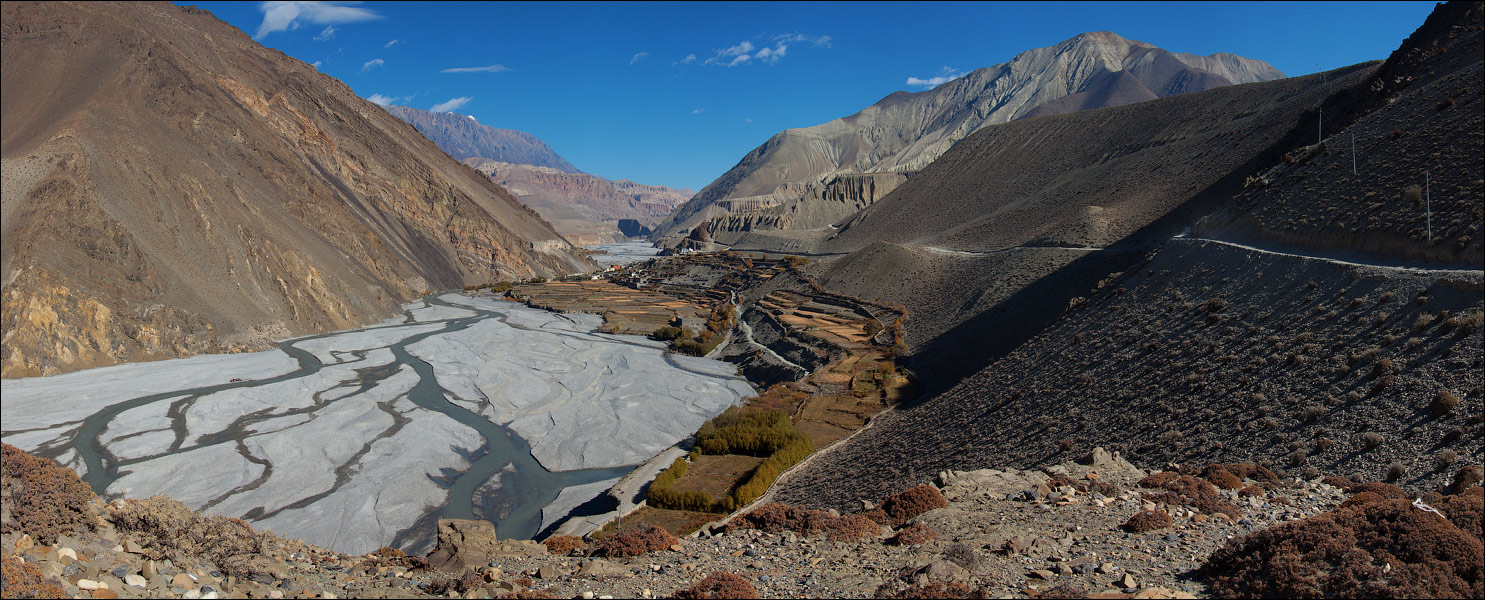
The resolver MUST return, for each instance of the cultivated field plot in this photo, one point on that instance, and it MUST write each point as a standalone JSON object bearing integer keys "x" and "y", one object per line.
{"x": 849, "y": 392}
{"x": 624, "y": 309}
{"x": 717, "y": 475}
{"x": 840, "y": 325}
{"x": 677, "y": 522}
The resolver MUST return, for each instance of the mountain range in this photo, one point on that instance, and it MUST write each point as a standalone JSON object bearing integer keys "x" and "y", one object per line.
{"x": 585, "y": 209}
{"x": 779, "y": 184}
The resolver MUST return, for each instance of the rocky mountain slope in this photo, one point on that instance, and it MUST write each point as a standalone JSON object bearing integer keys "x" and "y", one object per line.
{"x": 904, "y": 132}
{"x": 1306, "y": 323}
{"x": 171, "y": 187}
{"x": 585, "y": 209}
{"x": 464, "y": 137}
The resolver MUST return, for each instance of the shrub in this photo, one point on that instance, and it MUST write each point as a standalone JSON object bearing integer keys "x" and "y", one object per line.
{"x": 1371, "y": 440}
{"x": 878, "y": 516}
{"x": 1443, "y": 402}
{"x": 916, "y": 534}
{"x": 1362, "y": 499}
{"x": 911, "y": 502}
{"x": 719, "y": 585}
{"x": 21, "y": 579}
{"x": 778, "y": 517}
{"x": 1244, "y": 471}
{"x": 756, "y": 433}
{"x": 1445, "y": 458}
{"x": 1184, "y": 489}
{"x": 643, "y": 539}
{"x": 1446, "y": 103}
{"x": 1396, "y": 470}
{"x": 1466, "y": 477}
{"x": 469, "y": 582}
{"x": 1149, "y": 520}
{"x": 166, "y": 525}
{"x": 563, "y": 545}
{"x": 1394, "y": 134}
{"x": 1382, "y": 549}
{"x": 1386, "y": 490}
{"x": 852, "y": 528}
{"x": 1224, "y": 479}
{"x": 963, "y": 555}
{"x": 42, "y": 498}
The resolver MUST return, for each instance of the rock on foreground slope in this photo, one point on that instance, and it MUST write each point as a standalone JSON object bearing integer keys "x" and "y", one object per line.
{"x": 171, "y": 187}
{"x": 904, "y": 132}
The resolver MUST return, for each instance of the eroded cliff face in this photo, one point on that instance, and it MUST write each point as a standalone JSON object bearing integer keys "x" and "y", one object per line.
{"x": 904, "y": 132}
{"x": 172, "y": 188}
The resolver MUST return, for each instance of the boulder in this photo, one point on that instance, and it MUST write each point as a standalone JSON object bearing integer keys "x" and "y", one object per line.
{"x": 465, "y": 544}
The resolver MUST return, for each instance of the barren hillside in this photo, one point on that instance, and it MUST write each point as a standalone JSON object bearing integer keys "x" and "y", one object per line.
{"x": 171, "y": 187}
{"x": 464, "y": 137}
{"x": 584, "y": 208}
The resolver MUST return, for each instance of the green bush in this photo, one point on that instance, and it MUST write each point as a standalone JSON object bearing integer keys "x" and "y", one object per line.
{"x": 661, "y": 495}
{"x": 759, "y": 433}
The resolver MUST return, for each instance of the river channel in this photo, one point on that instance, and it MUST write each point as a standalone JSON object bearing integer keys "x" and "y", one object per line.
{"x": 465, "y": 408}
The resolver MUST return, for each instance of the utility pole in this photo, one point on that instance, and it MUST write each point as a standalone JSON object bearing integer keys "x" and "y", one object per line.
{"x": 1353, "y": 151}
{"x": 1320, "y": 129}
{"x": 1427, "y": 208}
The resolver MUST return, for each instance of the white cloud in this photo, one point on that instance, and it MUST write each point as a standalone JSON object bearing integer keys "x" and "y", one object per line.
{"x": 946, "y": 74}
{"x": 375, "y": 62}
{"x": 327, "y": 34}
{"x": 746, "y": 52}
{"x": 285, "y": 16}
{"x": 690, "y": 58}
{"x": 391, "y": 43}
{"x": 638, "y": 57}
{"x": 486, "y": 69}
{"x": 698, "y": 111}
{"x": 747, "y": 120}
{"x": 381, "y": 100}
{"x": 452, "y": 105}
{"x": 315, "y": 64}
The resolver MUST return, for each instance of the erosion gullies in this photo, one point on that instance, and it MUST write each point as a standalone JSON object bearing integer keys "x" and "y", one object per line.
{"x": 171, "y": 187}
{"x": 904, "y": 132}
{"x": 349, "y": 440}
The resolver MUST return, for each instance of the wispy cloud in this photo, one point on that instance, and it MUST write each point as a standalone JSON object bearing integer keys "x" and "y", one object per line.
{"x": 391, "y": 43}
{"x": 485, "y": 69}
{"x": 690, "y": 58}
{"x": 638, "y": 57}
{"x": 381, "y": 100}
{"x": 285, "y": 16}
{"x": 370, "y": 64}
{"x": 315, "y": 64}
{"x": 698, "y": 111}
{"x": 771, "y": 52}
{"x": 747, "y": 120}
{"x": 945, "y": 75}
{"x": 327, "y": 34}
{"x": 452, "y": 105}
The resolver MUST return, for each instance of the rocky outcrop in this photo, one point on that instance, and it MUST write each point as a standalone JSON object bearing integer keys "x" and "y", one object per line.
{"x": 805, "y": 205}
{"x": 905, "y": 131}
{"x": 171, "y": 187}
{"x": 471, "y": 544}
{"x": 462, "y": 136}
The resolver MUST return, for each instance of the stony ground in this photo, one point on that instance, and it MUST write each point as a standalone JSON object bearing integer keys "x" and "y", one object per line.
{"x": 1006, "y": 531}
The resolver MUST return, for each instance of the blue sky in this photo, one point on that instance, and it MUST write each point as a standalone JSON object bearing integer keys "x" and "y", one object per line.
{"x": 676, "y": 93}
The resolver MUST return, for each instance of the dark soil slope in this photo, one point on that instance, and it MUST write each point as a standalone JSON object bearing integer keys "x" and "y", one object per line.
{"x": 1417, "y": 190}
{"x": 172, "y": 187}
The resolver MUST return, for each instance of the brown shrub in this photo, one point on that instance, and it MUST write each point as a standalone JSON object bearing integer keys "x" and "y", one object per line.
{"x": 389, "y": 552}
{"x": 1335, "y": 481}
{"x": 1466, "y": 511}
{"x": 1251, "y": 490}
{"x": 778, "y": 517}
{"x": 878, "y": 516}
{"x": 1362, "y": 499}
{"x": 164, "y": 525}
{"x": 1065, "y": 591}
{"x": 1148, "y": 520}
{"x": 911, "y": 502}
{"x": 1466, "y": 477}
{"x": 1343, "y": 553}
{"x": 916, "y": 534}
{"x": 21, "y": 579}
{"x": 469, "y": 582}
{"x": 720, "y": 585}
{"x": 644, "y": 539}
{"x": 563, "y": 545}
{"x": 852, "y": 528}
{"x": 42, "y": 498}
{"x": 1224, "y": 479}
{"x": 1443, "y": 402}
{"x": 954, "y": 590}
{"x": 1386, "y": 490}
{"x": 1185, "y": 489}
